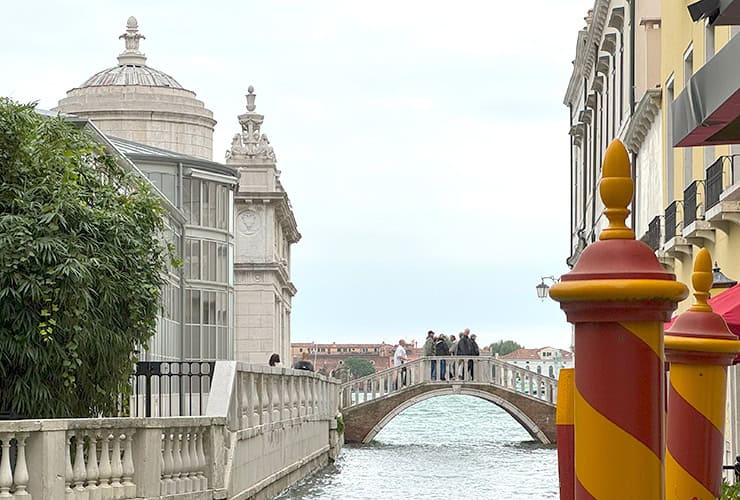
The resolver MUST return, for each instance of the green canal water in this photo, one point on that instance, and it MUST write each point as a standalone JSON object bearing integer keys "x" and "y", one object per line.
{"x": 449, "y": 447}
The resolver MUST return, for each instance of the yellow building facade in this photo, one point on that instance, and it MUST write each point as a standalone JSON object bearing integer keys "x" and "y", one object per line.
{"x": 687, "y": 46}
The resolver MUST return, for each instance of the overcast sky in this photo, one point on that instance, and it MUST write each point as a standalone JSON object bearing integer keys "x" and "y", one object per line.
{"x": 424, "y": 145}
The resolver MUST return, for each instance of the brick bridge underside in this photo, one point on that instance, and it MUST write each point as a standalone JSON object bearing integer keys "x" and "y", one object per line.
{"x": 363, "y": 422}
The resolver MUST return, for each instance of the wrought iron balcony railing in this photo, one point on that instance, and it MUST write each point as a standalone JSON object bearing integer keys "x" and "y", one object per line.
{"x": 652, "y": 237}
{"x": 690, "y": 203}
{"x": 714, "y": 184}
{"x": 671, "y": 221}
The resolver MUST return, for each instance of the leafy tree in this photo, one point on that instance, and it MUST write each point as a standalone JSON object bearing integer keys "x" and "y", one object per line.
{"x": 81, "y": 268}
{"x": 359, "y": 367}
{"x": 503, "y": 347}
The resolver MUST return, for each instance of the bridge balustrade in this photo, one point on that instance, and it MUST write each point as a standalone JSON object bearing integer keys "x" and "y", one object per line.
{"x": 449, "y": 370}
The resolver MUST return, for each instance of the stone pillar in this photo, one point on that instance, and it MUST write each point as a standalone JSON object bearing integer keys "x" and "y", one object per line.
{"x": 699, "y": 348}
{"x": 264, "y": 230}
{"x": 618, "y": 296}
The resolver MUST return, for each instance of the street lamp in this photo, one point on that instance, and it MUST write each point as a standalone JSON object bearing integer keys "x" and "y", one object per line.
{"x": 543, "y": 288}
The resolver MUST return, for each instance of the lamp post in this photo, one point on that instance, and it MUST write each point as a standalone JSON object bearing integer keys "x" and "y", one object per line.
{"x": 543, "y": 288}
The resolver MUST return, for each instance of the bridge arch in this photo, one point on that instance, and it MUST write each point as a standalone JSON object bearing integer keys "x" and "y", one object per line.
{"x": 435, "y": 391}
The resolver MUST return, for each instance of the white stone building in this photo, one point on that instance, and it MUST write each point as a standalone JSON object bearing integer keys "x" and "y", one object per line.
{"x": 544, "y": 360}
{"x": 614, "y": 92}
{"x": 232, "y": 224}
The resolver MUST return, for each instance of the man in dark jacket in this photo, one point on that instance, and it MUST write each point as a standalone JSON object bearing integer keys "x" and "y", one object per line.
{"x": 476, "y": 349}
{"x": 442, "y": 349}
{"x": 465, "y": 348}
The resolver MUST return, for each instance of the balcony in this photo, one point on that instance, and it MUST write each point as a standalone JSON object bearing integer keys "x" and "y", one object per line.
{"x": 706, "y": 112}
{"x": 695, "y": 229}
{"x": 675, "y": 244}
{"x": 723, "y": 192}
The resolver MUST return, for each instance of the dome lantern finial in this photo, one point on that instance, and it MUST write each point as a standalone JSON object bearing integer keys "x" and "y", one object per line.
{"x": 131, "y": 54}
{"x": 251, "y": 96}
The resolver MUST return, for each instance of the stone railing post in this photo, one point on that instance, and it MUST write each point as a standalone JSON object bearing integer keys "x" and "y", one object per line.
{"x": 618, "y": 296}
{"x": 214, "y": 447}
{"x": 46, "y": 456}
{"x": 147, "y": 455}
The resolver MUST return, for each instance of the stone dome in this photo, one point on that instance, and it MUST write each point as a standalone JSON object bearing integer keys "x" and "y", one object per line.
{"x": 138, "y": 103}
{"x": 132, "y": 68}
{"x": 130, "y": 74}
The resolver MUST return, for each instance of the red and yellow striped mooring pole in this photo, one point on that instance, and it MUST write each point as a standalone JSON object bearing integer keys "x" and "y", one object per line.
{"x": 699, "y": 347}
{"x": 564, "y": 430}
{"x": 618, "y": 296}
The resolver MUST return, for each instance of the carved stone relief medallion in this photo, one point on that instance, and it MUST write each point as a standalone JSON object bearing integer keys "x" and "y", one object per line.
{"x": 249, "y": 222}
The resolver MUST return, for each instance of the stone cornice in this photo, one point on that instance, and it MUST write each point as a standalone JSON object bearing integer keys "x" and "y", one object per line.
{"x": 585, "y": 49}
{"x": 271, "y": 267}
{"x": 284, "y": 210}
{"x": 642, "y": 119}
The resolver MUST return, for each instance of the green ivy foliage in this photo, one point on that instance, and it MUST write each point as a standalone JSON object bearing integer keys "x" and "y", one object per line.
{"x": 81, "y": 268}
{"x": 730, "y": 491}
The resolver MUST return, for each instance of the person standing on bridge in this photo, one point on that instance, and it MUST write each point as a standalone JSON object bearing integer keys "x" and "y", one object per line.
{"x": 429, "y": 351}
{"x": 442, "y": 349}
{"x": 465, "y": 348}
{"x": 399, "y": 358}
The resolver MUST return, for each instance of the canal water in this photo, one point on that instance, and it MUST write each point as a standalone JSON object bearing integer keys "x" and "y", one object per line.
{"x": 448, "y": 447}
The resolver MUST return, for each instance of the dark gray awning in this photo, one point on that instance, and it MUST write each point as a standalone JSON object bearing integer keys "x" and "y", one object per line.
{"x": 707, "y": 111}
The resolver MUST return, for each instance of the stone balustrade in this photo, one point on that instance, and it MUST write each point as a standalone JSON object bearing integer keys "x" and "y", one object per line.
{"x": 110, "y": 458}
{"x": 265, "y": 428}
{"x": 450, "y": 370}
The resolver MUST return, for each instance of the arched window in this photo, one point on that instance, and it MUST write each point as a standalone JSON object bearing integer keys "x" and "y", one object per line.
{"x": 539, "y": 370}
{"x": 552, "y": 372}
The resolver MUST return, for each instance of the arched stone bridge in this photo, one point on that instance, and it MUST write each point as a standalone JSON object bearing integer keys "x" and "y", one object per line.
{"x": 369, "y": 403}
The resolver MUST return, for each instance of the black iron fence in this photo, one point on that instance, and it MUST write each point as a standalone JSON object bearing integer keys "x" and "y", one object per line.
{"x": 171, "y": 388}
{"x": 690, "y": 204}
{"x": 714, "y": 185}
{"x": 652, "y": 237}
{"x": 670, "y": 220}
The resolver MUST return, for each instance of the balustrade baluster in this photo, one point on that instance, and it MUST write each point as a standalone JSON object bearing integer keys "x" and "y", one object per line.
{"x": 168, "y": 458}
{"x": 20, "y": 478}
{"x": 254, "y": 403}
{"x": 275, "y": 388}
{"x": 92, "y": 466}
{"x": 264, "y": 401}
{"x": 177, "y": 462}
{"x": 104, "y": 469}
{"x": 116, "y": 467}
{"x": 68, "y": 473}
{"x": 79, "y": 467}
{"x": 6, "y": 475}
{"x": 202, "y": 462}
{"x": 245, "y": 410}
{"x": 129, "y": 488}
{"x": 187, "y": 482}
{"x": 194, "y": 462}
{"x": 295, "y": 396}
{"x": 287, "y": 384}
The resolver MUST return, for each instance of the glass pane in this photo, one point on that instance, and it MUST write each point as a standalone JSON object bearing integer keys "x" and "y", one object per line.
{"x": 212, "y": 261}
{"x": 212, "y": 306}
{"x": 186, "y": 200}
{"x": 195, "y": 342}
{"x": 187, "y": 339}
{"x": 188, "y": 259}
{"x": 195, "y": 257}
{"x": 195, "y": 306}
{"x": 212, "y": 342}
{"x": 206, "y": 257}
{"x": 212, "y": 206}
{"x": 168, "y": 187}
{"x": 195, "y": 203}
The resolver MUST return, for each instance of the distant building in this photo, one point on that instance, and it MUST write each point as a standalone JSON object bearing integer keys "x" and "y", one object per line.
{"x": 327, "y": 357}
{"x": 544, "y": 360}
